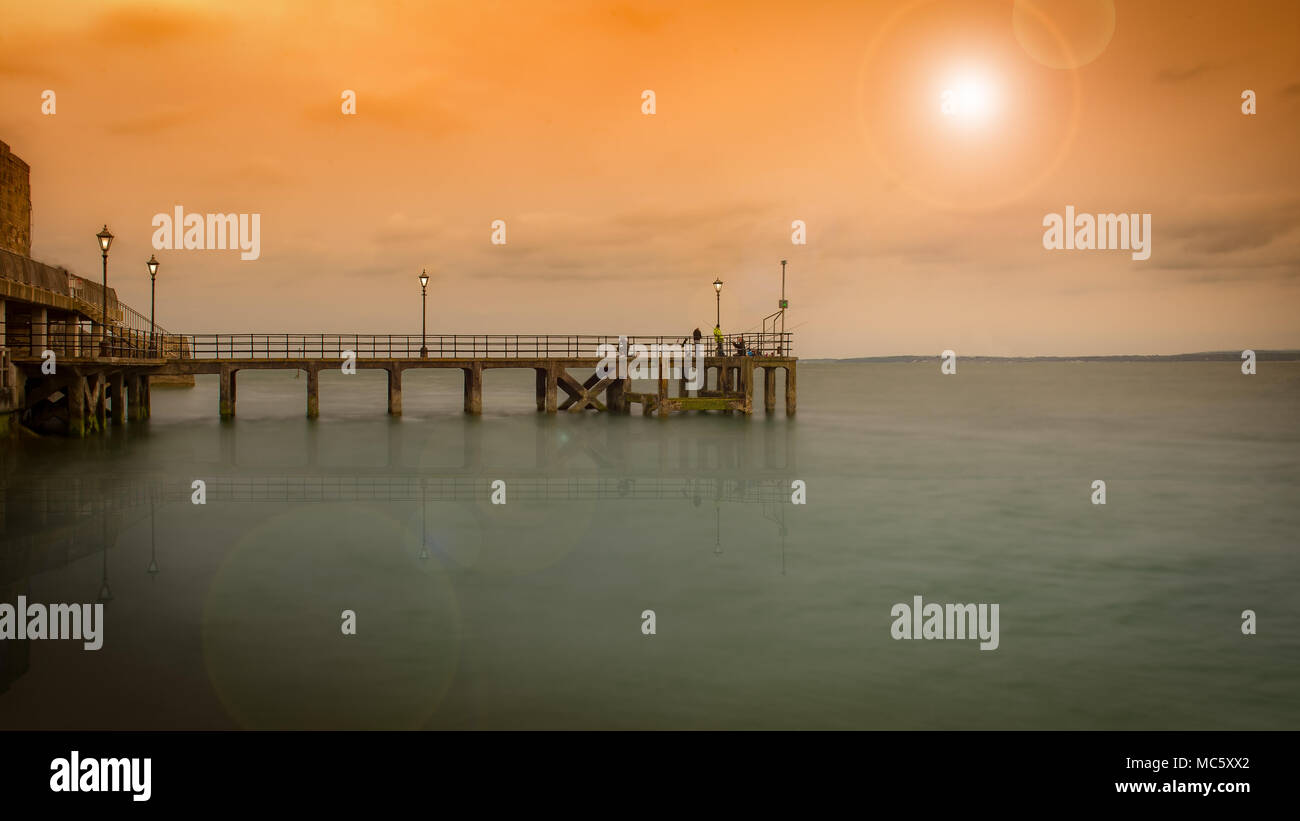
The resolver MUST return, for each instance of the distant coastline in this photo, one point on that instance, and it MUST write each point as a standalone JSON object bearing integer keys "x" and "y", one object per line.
{"x": 1206, "y": 356}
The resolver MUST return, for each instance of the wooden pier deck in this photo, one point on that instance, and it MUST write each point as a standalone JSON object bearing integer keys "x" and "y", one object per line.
{"x": 95, "y": 385}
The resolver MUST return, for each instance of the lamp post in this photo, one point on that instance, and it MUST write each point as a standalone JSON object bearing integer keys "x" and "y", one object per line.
{"x": 424, "y": 313}
{"x": 717, "y": 287}
{"x": 152, "y": 265}
{"x": 105, "y": 239}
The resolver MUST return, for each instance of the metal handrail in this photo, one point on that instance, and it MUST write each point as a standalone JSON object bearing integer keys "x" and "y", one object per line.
{"x": 74, "y": 340}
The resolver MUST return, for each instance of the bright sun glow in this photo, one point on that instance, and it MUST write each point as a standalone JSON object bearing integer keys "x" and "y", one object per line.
{"x": 969, "y": 99}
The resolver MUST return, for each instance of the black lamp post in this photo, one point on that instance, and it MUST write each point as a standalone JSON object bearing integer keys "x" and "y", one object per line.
{"x": 105, "y": 239}
{"x": 424, "y": 314}
{"x": 717, "y": 286}
{"x": 152, "y": 265}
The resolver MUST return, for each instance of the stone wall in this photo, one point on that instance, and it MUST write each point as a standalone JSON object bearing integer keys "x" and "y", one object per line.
{"x": 15, "y": 204}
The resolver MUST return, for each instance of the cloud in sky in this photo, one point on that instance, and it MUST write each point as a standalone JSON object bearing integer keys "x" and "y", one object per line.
{"x": 767, "y": 113}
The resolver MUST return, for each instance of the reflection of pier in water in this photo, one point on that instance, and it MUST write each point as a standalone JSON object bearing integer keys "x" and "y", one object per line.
{"x": 50, "y": 520}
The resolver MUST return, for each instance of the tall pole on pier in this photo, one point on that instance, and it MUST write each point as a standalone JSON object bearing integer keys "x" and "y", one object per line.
{"x": 783, "y": 303}
{"x": 717, "y": 286}
{"x": 424, "y": 313}
{"x": 152, "y": 265}
{"x": 105, "y": 239}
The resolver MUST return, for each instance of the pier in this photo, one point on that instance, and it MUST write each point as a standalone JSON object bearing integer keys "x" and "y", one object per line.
{"x": 103, "y": 380}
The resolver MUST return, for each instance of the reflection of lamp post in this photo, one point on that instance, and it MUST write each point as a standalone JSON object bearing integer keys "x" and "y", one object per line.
{"x": 424, "y": 541}
{"x": 424, "y": 314}
{"x": 152, "y": 265}
{"x": 105, "y": 593}
{"x": 717, "y": 531}
{"x": 152, "y": 569}
{"x": 105, "y": 239}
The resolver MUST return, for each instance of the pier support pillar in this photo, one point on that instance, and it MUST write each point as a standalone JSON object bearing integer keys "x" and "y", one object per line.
{"x": 661, "y": 408}
{"x": 769, "y": 390}
{"x": 135, "y": 398}
{"x": 226, "y": 392}
{"x": 474, "y": 388}
{"x": 616, "y": 396}
{"x": 101, "y": 401}
{"x": 395, "y": 391}
{"x": 552, "y": 388}
{"x": 118, "y": 383}
{"x": 539, "y": 384}
{"x": 313, "y": 391}
{"x": 76, "y": 399}
{"x": 747, "y": 384}
{"x": 147, "y": 392}
{"x": 40, "y": 322}
{"x": 789, "y": 390}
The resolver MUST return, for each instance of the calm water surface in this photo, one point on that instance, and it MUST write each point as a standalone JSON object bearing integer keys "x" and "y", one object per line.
{"x": 966, "y": 488}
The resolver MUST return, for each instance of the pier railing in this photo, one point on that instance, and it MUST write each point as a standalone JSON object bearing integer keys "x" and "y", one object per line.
{"x": 84, "y": 340}
{"x": 454, "y": 346}
{"x": 73, "y": 340}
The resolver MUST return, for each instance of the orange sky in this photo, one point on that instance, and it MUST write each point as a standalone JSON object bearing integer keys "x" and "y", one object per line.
{"x": 923, "y": 233}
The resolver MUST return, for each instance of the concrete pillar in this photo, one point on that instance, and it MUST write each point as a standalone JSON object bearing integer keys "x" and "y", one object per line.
{"x": 134, "y": 404}
{"x": 313, "y": 391}
{"x": 148, "y": 394}
{"x": 474, "y": 388}
{"x": 539, "y": 384}
{"x": 40, "y": 322}
{"x": 552, "y": 388}
{"x": 789, "y": 390}
{"x": 76, "y": 399}
{"x": 724, "y": 382}
{"x": 769, "y": 390}
{"x": 616, "y": 396}
{"x": 747, "y": 380}
{"x": 118, "y": 383}
{"x": 662, "y": 407}
{"x": 95, "y": 395}
{"x": 394, "y": 391}
{"x": 226, "y": 392}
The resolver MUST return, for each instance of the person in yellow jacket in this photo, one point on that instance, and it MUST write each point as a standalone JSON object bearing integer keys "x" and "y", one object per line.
{"x": 717, "y": 337}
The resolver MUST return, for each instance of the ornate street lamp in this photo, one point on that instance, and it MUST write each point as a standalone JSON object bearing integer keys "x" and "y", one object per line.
{"x": 152, "y": 265}
{"x": 105, "y": 240}
{"x": 424, "y": 313}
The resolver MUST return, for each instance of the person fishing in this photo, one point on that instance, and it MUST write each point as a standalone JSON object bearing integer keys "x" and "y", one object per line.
{"x": 739, "y": 342}
{"x": 717, "y": 336}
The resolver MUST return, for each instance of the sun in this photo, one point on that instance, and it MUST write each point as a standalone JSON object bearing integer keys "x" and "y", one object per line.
{"x": 969, "y": 99}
